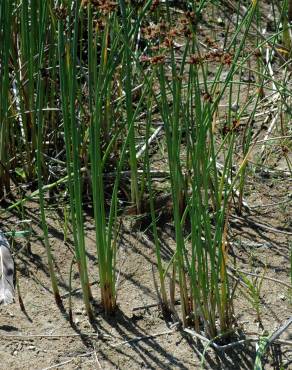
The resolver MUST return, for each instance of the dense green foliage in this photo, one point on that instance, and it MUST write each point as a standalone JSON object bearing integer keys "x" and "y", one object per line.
{"x": 80, "y": 79}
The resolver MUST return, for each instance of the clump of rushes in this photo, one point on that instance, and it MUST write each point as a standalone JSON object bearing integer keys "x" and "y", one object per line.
{"x": 67, "y": 47}
{"x": 100, "y": 83}
{"x": 115, "y": 48}
{"x": 89, "y": 53}
{"x": 200, "y": 192}
{"x": 39, "y": 152}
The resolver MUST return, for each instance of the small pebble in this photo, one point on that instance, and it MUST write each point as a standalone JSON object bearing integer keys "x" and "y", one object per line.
{"x": 76, "y": 321}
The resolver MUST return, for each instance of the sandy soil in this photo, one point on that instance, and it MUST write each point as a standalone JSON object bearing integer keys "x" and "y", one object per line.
{"x": 141, "y": 338}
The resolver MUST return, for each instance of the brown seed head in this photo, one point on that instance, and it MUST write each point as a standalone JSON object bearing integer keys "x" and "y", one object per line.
{"x": 194, "y": 59}
{"x": 158, "y": 59}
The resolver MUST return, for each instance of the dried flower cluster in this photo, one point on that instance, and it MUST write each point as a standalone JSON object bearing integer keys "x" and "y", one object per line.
{"x": 157, "y": 59}
{"x": 191, "y": 17}
{"x": 235, "y": 127}
{"x": 152, "y": 32}
{"x": 213, "y": 56}
{"x": 163, "y": 29}
{"x": 103, "y": 6}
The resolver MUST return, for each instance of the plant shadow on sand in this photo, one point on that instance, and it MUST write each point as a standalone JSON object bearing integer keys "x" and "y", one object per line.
{"x": 128, "y": 338}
